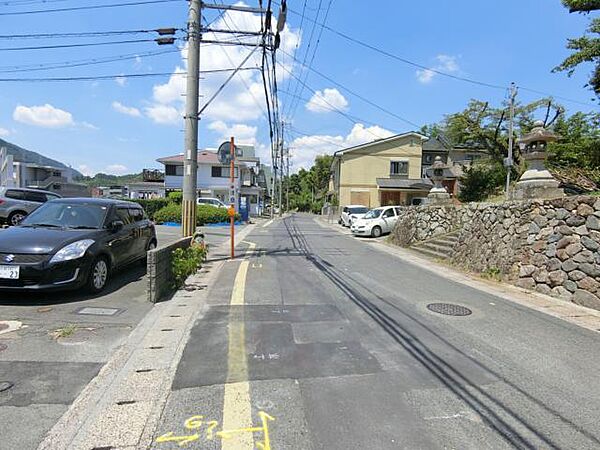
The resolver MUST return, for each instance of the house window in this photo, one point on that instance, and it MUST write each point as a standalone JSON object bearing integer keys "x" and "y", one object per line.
{"x": 399, "y": 168}
{"x": 171, "y": 169}
{"x": 222, "y": 172}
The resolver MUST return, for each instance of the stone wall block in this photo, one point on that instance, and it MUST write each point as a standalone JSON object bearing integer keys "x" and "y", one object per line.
{"x": 588, "y": 284}
{"x": 570, "y": 285}
{"x": 577, "y": 275}
{"x": 569, "y": 265}
{"x": 584, "y": 209}
{"x": 593, "y": 223}
{"x": 593, "y": 270}
{"x": 587, "y": 299}
{"x": 573, "y": 249}
{"x": 590, "y": 243}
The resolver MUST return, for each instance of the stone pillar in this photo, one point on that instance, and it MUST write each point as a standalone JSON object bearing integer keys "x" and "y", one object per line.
{"x": 438, "y": 193}
{"x": 537, "y": 181}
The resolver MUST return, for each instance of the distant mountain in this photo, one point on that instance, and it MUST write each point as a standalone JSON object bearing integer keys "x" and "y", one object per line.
{"x": 104, "y": 179}
{"x": 27, "y": 156}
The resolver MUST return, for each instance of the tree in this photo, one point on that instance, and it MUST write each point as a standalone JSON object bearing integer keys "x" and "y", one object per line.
{"x": 308, "y": 187}
{"x": 586, "y": 48}
{"x": 579, "y": 145}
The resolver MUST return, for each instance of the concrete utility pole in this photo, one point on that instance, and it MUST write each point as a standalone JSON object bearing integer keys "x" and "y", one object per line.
{"x": 281, "y": 171}
{"x": 190, "y": 165}
{"x": 509, "y": 160}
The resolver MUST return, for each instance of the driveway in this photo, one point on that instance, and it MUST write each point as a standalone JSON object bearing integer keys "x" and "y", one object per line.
{"x": 63, "y": 341}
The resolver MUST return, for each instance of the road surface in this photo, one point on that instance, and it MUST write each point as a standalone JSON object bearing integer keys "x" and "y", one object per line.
{"x": 318, "y": 341}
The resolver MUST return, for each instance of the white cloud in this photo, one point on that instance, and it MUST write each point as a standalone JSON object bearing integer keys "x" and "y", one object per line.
{"x": 138, "y": 60}
{"x": 327, "y": 100}
{"x": 4, "y": 132}
{"x": 164, "y": 114}
{"x": 244, "y": 134}
{"x": 243, "y": 98}
{"x": 445, "y": 63}
{"x": 306, "y": 148}
{"x": 116, "y": 169}
{"x": 89, "y": 126}
{"x": 128, "y": 110}
{"x": 121, "y": 80}
{"x": 86, "y": 170}
{"x": 43, "y": 116}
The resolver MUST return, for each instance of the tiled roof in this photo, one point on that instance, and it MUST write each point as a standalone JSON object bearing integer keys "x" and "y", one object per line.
{"x": 204, "y": 156}
{"x": 403, "y": 183}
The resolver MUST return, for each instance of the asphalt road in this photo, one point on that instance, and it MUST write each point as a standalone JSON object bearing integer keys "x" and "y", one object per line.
{"x": 49, "y": 371}
{"x": 317, "y": 340}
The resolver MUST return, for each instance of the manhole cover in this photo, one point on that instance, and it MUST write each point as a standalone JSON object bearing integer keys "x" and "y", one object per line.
{"x": 449, "y": 309}
{"x": 91, "y": 311}
{"x": 3, "y": 347}
{"x": 3, "y": 326}
{"x": 5, "y": 385}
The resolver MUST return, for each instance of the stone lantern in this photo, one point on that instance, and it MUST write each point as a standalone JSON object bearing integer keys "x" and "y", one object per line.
{"x": 537, "y": 181}
{"x": 438, "y": 193}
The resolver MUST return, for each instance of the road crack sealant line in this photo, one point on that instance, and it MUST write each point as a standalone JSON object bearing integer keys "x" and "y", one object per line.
{"x": 72, "y": 429}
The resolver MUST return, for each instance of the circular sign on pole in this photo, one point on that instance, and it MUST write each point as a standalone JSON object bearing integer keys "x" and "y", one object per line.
{"x": 224, "y": 152}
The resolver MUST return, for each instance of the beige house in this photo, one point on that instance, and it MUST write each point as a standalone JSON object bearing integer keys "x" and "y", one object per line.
{"x": 383, "y": 172}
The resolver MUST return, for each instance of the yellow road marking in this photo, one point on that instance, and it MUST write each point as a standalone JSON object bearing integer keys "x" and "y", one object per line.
{"x": 237, "y": 412}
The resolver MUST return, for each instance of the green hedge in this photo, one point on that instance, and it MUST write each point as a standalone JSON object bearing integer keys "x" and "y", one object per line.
{"x": 153, "y": 205}
{"x": 204, "y": 214}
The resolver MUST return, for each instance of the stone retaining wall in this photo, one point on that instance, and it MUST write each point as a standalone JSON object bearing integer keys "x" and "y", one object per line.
{"x": 551, "y": 246}
{"x": 159, "y": 272}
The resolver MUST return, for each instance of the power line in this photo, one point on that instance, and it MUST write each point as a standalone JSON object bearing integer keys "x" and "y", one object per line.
{"x": 83, "y": 8}
{"x": 312, "y": 32}
{"x": 436, "y": 71}
{"x": 82, "y": 34}
{"x": 116, "y": 76}
{"x": 82, "y": 63}
{"x": 312, "y": 59}
{"x": 347, "y": 89}
{"x": 88, "y": 44}
{"x": 351, "y": 118}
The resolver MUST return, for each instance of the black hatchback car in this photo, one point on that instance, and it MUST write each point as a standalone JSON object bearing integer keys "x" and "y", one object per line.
{"x": 73, "y": 243}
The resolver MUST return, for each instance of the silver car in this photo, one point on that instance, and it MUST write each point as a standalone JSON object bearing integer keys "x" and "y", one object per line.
{"x": 16, "y": 203}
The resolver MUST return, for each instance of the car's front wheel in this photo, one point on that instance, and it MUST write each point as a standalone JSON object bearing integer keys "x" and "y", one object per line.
{"x": 98, "y": 276}
{"x": 376, "y": 231}
{"x": 15, "y": 217}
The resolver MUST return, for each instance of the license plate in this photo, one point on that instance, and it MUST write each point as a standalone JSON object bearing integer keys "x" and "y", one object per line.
{"x": 9, "y": 272}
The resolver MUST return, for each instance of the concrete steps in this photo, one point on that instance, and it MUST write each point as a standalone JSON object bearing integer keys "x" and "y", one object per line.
{"x": 439, "y": 247}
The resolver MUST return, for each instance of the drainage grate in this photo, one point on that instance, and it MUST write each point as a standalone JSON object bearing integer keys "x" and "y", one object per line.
{"x": 449, "y": 309}
{"x": 92, "y": 311}
{"x": 5, "y": 385}
{"x": 3, "y": 347}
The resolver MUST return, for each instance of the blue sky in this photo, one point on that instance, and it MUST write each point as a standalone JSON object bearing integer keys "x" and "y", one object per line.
{"x": 123, "y": 125}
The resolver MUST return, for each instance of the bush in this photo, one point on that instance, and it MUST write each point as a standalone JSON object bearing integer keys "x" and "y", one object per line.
{"x": 176, "y": 197}
{"x": 151, "y": 206}
{"x": 480, "y": 181}
{"x": 187, "y": 261}
{"x": 204, "y": 214}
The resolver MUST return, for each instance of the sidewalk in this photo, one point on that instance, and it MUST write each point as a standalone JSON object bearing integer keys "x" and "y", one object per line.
{"x": 570, "y": 312}
{"x": 121, "y": 407}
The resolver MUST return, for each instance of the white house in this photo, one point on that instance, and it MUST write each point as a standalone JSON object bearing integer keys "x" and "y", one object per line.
{"x": 213, "y": 178}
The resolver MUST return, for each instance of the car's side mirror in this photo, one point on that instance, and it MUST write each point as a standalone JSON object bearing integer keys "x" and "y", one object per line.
{"x": 116, "y": 225}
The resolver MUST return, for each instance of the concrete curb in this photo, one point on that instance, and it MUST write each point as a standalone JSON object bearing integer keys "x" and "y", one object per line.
{"x": 570, "y": 312}
{"x": 121, "y": 406}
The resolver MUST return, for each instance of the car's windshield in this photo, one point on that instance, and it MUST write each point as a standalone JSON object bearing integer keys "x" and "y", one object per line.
{"x": 373, "y": 214}
{"x": 67, "y": 215}
{"x": 359, "y": 210}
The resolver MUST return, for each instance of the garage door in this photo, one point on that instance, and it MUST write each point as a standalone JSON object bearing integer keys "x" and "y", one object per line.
{"x": 360, "y": 198}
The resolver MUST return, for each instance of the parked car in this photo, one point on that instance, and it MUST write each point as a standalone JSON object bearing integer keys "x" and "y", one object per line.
{"x": 351, "y": 213}
{"x": 74, "y": 243}
{"x": 376, "y": 222}
{"x": 16, "y": 203}
{"x": 211, "y": 201}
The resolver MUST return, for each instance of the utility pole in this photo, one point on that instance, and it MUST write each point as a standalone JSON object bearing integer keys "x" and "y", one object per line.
{"x": 190, "y": 165}
{"x": 287, "y": 186}
{"x": 281, "y": 165}
{"x": 232, "y": 196}
{"x": 509, "y": 161}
